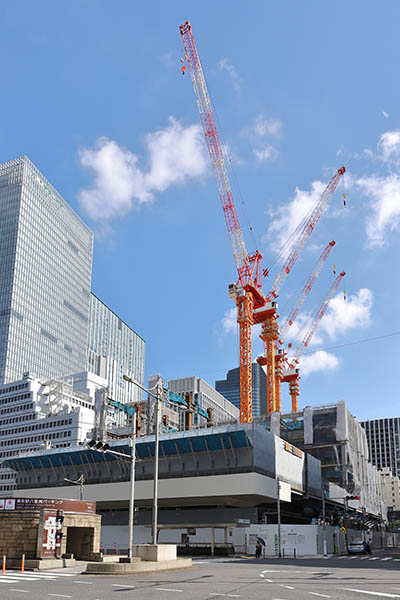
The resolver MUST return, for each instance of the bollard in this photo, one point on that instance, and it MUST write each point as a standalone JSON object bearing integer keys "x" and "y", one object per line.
{"x": 294, "y": 552}
{"x": 4, "y": 563}
{"x": 283, "y": 552}
{"x": 23, "y": 563}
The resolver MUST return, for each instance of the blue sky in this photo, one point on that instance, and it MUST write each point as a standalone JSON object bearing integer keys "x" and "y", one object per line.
{"x": 92, "y": 92}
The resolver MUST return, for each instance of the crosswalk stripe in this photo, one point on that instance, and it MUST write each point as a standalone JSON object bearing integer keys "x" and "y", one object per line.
{"x": 388, "y": 558}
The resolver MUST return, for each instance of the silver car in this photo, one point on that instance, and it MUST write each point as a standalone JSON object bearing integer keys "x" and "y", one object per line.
{"x": 357, "y": 547}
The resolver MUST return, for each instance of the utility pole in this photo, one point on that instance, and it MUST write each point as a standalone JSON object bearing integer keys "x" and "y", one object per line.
{"x": 132, "y": 490}
{"x": 325, "y": 551}
{"x": 346, "y": 537}
{"x": 159, "y": 391}
{"x": 279, "y": 515}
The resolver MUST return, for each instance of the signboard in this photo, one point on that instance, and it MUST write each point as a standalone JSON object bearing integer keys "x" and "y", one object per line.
{"x": 293, "y": 450}
{"x": 37, "y": 503}
{"x": 49, "y": 533}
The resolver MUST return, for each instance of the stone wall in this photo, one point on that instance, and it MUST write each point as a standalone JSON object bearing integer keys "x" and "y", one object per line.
{"x": 19, "y": 533}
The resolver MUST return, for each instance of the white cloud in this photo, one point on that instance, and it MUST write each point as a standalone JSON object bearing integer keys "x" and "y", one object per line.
{"x": 343, "y": 315}
{"x": 264, "y": 127}
{"x": 229, "y": 321}
{"x": 225, "y": 65}
{"x": 318, "y": 361}
{"x": 268, "y": 153}
{"x": 389, "y": 146}
{"x": 297, "y": 331}
{"x": 175, "y": 154}
{"x": 289, "y": 215}
{"x": 385, "y": 114}
{"x": 384, "y": 210}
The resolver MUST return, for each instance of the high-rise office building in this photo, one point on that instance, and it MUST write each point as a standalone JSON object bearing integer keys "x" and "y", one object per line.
{"x": 45, "y": 276}
{"x": 115, "y": 350}
{"x": 51, "y": 325}
{"x": 230, "y": 388}
{"x": 383, "y": 443}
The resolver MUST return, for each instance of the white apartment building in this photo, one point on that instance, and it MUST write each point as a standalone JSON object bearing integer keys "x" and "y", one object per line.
{"x": 37, "y": 414}
{"x": 390, "y": 485}
{"x": 205, "y": 397}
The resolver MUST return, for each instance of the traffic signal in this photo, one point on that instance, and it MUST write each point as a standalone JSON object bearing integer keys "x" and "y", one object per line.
{"x": 352, "y": 497}
{"x": 98, "y": 445}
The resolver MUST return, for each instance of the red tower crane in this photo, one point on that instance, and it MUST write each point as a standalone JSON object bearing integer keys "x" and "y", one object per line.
{"x": 267, "y": 315}
{"x": 291, "y": 376}
{"x": 279, "y": 355}
{"x": 247, "y": 292}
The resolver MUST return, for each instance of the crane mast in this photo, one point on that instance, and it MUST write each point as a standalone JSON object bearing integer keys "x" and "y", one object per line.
{"x": 248, "y": 290}
{"x": 292, "y": 376}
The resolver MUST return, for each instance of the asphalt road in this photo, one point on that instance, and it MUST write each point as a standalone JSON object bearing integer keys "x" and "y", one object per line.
{"x": 349, "y": 578}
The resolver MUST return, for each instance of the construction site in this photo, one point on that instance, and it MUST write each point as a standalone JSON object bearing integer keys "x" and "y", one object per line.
{"x": 224, "y": 474}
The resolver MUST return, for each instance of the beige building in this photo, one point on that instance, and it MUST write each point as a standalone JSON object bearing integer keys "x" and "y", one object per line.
{"x": 390, "y": 488}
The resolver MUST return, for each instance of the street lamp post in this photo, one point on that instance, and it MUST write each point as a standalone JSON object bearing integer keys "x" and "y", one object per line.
{"x": 278, "y": 483}
{"x": 80, "y": 481}
{"x": 132, "y": 490}
{"x": 325, "y": 550}
{"x": 156, "y": 453}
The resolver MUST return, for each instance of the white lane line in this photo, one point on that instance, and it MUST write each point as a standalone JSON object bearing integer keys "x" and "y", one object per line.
{"x": 388, "y": 558}
{"x": 28, "y": 575}
{"x": 122, "y": 585}
{"x": 85, "y": 582}
{"x": 385, "y": 594}
{"x": 270, "y": 571}
{"x": 353, "y": 557}
{"x": 60, "y": 574}
{"x": 60, "y": 595}
{"x": 14, "y": 590}
{"x": 289, "y": 587}
{"x": 374, "y": 558}
{"x": 168, "y": 590}
{"x": 322, "y": 595}
{"x": 12, "y": 579}
{"x": 396, "y": 559}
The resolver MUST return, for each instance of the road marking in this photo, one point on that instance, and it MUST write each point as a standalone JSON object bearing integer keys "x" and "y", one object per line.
{"x": 385, "y": 594}
{"x": 60, "y": 595}
{"x": 289, "y": 587}
{"x": 14, "y": 590}
{"x": 169, "y": 590}
{"x": 322, "y": 595}
{"x": 353, "y": 557}
{"x": 396, "y": 559}
{"x": 36, "y": 575}
{"x": 270, "y": 571}
{"x": 60, "y": 574}
{"x": 85, "y": 582}
{"x": 374, "y": 558}
{"x": 122, "y": 585}
{"x": 13, "y": 579}
{"x": 388, "y": 558}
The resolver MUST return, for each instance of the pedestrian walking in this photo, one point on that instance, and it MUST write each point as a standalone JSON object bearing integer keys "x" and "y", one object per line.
{"x": 258, "y": 549}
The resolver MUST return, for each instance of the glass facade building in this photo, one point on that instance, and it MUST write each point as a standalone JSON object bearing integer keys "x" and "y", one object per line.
{"x": 114, "y": 349}
{"x": 383, "y": 437}
{"x": 230, "y": 388}
{"x": 45, "y": 277}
